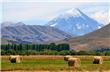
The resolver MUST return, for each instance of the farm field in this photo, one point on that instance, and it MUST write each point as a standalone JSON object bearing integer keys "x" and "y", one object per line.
{"x": 43, "y": 63}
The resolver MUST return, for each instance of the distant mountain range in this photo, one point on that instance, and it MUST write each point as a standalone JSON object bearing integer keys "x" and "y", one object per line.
{"x": 75, "y": 22}
{"x": 73, "y": 27}
{"x": 11, "y": 24}
{"x": 96, "y": 40}
{"x": 99, "y": 39}
{"x": 21, "y": 33}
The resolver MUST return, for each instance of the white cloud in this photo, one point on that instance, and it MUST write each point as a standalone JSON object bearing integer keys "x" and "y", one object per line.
{"x": 102, "y": 17}
{"x": 99, "y": 12}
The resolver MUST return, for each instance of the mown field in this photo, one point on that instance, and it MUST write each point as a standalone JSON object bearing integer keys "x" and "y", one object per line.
{"x": 53, "y": 63}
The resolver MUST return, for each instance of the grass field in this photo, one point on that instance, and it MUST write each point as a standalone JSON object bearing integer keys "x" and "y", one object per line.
{"x": 53, "y": 63}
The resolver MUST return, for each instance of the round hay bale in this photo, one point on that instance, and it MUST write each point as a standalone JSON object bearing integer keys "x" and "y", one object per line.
{"x": 15, "y": 58}
{"x": 75, "y": 62}
{"x": 97, "y": 60}
{"x": 67, "y": 57}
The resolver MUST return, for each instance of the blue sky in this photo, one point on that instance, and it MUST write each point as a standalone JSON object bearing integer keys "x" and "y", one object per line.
{"x": 40, "y": 12}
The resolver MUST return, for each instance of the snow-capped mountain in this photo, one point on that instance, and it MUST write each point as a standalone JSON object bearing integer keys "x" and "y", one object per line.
{"x": 75, "y": 22}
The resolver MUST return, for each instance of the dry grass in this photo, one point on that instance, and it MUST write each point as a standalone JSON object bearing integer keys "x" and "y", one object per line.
{"x": 34, "y": 57}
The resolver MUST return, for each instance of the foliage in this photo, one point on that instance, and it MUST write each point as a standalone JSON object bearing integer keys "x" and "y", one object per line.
{"x": 47, "y": 49}
{"x": 33, "y": 49}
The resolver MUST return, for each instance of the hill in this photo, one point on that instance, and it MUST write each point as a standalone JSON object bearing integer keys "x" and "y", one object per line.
{"x": 97, "y": 40}
{"x": 32, "y": 34}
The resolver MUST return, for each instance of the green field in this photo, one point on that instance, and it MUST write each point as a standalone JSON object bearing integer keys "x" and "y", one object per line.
{"x": 34, "y": 63}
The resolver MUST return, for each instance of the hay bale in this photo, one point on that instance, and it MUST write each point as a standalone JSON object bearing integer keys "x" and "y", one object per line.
{"x": 75, "y": 62}
{"x": 97, "y": 60}
{"x": 15, "y": 58}
{"x": 67, "y": 57}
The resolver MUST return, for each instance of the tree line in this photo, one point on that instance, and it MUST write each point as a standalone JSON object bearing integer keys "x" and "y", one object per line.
{"x": 19, "y": 48}
{"x": 47, "y": 49}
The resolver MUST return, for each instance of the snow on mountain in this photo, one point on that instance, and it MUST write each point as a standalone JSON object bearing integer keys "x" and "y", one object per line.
{"x": 75, "y": 22}
{"x": 53, "y": 25}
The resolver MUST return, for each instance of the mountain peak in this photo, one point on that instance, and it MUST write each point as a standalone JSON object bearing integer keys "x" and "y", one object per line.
{"x": 75, "y": 22}
{"x": 19, "y": 24}
{"x": 6, "y": 24}
{"x": 73, "y": 12}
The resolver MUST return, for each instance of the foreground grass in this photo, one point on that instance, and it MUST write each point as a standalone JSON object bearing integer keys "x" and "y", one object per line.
{"x": 52, "y": 65}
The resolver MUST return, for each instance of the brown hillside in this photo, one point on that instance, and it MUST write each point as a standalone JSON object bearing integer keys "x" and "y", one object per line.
{"x": 97, "y": 39}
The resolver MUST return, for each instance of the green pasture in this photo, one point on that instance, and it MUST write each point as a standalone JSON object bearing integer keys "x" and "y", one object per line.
{"x": 52, "y": 65}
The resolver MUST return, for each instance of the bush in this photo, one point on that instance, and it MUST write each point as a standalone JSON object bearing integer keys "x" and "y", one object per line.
{"x": 81, "y": 53}
{"x": 107, "y": 53}
{"x": 72, "y": 52}
{"x": 10, "y": 52}
{"x": 2, "y": 52}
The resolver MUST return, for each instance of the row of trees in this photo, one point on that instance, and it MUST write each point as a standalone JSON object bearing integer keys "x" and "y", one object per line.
{"x": 36, "y": 47}
{"x": 46, "y": 49}
{"x": 53, "y": 52}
